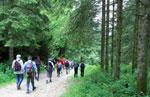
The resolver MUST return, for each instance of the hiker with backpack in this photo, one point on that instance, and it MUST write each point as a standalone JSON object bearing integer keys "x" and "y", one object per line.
{"x": 38, "y": 64}
{"x": 82, "y": 67}
{"x": 59, "y": 68}
{"x": 30, "y": 70}
{"x": 17, "y": 66}
{"x": 76, "y": 65}
{"x": 67, "y": 66}
{"x": 49, "y": 69}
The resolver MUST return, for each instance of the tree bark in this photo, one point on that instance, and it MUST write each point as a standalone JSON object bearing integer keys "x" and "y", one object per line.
{"x": 112, "y": 37}
{"x": 118, "y": 39}
{"x": 11, "y": 54}
{"x": 144, "y": 24}
{"x": 107, "y": 38}
{"x": 135, "y": 36}
{"x": 103, "y": 35}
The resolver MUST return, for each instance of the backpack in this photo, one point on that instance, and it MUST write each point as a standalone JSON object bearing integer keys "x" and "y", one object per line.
{"x": 75, "y": 65}
{"x": 67, "y": 64}
{"x": 17, "y": 66}
{"x": 50, "y": 66}
{"x": 29, "y": 68}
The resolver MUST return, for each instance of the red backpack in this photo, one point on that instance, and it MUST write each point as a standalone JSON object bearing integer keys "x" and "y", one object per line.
{"x": 17, "y": 66}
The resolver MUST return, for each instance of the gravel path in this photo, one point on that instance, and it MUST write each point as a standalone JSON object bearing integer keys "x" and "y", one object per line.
{"x": 54, "y": 89}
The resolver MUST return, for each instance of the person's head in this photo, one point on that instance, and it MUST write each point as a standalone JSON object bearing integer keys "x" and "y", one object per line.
{"x": 49, "y": 59}
{"x": 29, "y": 58}
{"x": 18, "y": 57}
{"x": 38, "y": 57}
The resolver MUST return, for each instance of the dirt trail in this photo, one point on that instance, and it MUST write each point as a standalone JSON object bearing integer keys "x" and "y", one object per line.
{"x": 54, "y": 89}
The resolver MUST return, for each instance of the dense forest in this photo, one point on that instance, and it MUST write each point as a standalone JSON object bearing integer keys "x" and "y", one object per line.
{"x": 112, "y": 34}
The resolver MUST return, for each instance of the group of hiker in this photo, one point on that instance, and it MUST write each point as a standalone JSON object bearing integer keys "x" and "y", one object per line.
{"x": 31, "y": 69}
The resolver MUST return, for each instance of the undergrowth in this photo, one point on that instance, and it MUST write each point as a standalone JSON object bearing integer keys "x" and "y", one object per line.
{"x": 100, "y": 84}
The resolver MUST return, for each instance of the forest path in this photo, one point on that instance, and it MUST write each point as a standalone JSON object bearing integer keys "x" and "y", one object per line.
{"x": 54, "y": 89}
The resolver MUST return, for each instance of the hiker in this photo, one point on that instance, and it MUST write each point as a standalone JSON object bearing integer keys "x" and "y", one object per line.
{"x": 30, "y": 70}
{"x": 67, "y": 66}
{"x": 59, "y": 68}
{"x": 62, "y": 60}
{"x": 82, "y": 67}
{"x": 38, "y": 64}
{"x": 49, "y": 69}
{"x": 17, "y": 66}
{"x": 76, "y": 65}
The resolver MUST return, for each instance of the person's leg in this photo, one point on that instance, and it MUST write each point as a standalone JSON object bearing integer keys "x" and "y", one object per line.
{"x": 50, "y": 76}
{"x": 32, "y": 82}
{"x": 17, "y": 80}
{"x": 20, "y": 80}
{"x": 75, "y": 72}
{"x": 59, "y": 70}
{"x": 28, "y": 83}
{"x": 47, "y": 77}
{"x": 57, "y": 73}
{"x": 38, "y": 73}
{"x": 81, "y": 72}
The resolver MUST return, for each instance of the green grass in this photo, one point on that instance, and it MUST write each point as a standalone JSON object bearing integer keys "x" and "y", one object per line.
{"x": 98, "y": 84}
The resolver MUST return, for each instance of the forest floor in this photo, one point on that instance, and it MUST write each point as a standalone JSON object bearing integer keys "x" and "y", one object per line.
{"x": 54, "y": 89}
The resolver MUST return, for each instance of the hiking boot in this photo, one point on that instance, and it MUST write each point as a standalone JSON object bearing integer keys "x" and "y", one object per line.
{"x": 18, "y": 88}
{"x": 34, "y": 88}
{"x": 46, "y": 81}
{"x": 50, "y": 80}
{"x": 27, "y": 92}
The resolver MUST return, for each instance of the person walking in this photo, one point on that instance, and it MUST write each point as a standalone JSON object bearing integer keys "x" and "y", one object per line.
{"x": 59, "y": 68}
{"x": 38, "y": 64}
{"x": 49, "y": 69}
{"x": 76, "y": 65}
{"x": 67, "y": 66}
{"x": 17, "y": 66}
{"x": 30, "y": 70}
{"x": 82, "y": 67}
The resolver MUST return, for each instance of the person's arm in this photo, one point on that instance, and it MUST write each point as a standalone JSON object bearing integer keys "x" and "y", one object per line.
{"x": 24, "y": 67}
{"x": 13, "y": 63}
{"x": 34, "y": 66}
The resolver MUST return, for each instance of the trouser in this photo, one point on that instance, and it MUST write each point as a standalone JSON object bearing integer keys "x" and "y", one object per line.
{"x": 49, "y": 76}
{"x": 76, "y": 72}
{"x": 38, "y": 73}
{"x": 82, "y": 72}
{"x": 30, "y": 78}
{"x": 58, "y": 72}
{"x": 67, "y": 70}
{"x": 19, "y": 79}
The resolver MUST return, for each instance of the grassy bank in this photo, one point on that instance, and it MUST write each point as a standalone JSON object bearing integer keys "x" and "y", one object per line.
{"x": 98, "y": 84}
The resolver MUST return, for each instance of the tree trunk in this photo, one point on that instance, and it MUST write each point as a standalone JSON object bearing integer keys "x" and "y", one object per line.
{"x": 107, "y": 39}
{"x": 118, "y": 39}
{"x": 103, "y": 35}
{"x": 112, "y": 37}
{"x": 11, "y": 54}
{"x": 144, "y": 24}
{"x": 135, "y": 36}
